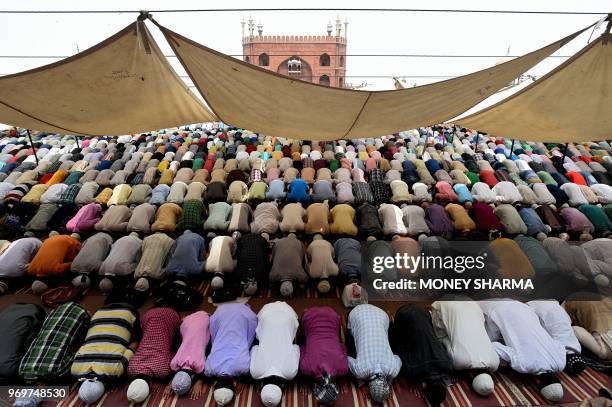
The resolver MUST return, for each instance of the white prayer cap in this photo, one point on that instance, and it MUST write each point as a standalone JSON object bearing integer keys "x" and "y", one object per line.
{"x": 553, "y": 392}
{"x": 483, "y": 384}
{"x": 91, "y": 391}
{"x": 286, "y": 288}
{"x": 271, "y": 395}
{"x": 217, "y": 283}
{"x": 106, "y": 284}
{"x": 138, "y": 391}
{"x": 142, "y": 284}
{"x": 223, "y": 396}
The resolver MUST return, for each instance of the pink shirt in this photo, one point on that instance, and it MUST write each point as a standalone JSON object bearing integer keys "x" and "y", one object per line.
{"x": 371, "y": 164}
{"x": 191, "y": 355}
{"x": 85, "y": 219}
{"x": 272, "y": 174}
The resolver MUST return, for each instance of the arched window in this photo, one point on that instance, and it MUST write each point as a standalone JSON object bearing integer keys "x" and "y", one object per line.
{"x": 324, "y": 80}
{"x": 341, "y": 61}
{"x": 324, "y": 60}
{"x": 247, "y": 59}
{"x": 264, "y": 60}
{"x": 341, "y": 82}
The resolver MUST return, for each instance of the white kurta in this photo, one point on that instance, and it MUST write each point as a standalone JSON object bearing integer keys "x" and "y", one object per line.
{"x": 276, "y": 354}
{"x": 526, "y": 346}
{"x": 557, "y": 323}
{"x": 461, "y": 327}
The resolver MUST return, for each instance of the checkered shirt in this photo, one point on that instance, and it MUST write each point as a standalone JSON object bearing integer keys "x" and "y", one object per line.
{"x": 380, "y": 190}
{"x": 255, "y": 175}
{"x": 50, "y": 355}
{"x": 369, "y": 326}
{"x": 69, "y": 194}
{"x": 375, "y": 175}
{"x": 362, "y": 193}
{"x": 192, "y": 217}
{"x": 152, "y": 359}
{"x": 138, "y": 178}
{"x": 308, "y": 163}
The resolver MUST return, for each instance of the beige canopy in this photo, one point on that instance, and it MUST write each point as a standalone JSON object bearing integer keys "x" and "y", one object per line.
{"x": 571, "y": 103}
{"x": 263, "y": 101}
{"x": 125, "y": 85}
{"x": 122, "y": 85}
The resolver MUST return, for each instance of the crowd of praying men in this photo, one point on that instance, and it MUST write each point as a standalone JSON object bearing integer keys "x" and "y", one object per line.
{"x": 152, "y": 213}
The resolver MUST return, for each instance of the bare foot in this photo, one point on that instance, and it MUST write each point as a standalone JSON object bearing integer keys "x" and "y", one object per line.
{"x": 196, "y": 389}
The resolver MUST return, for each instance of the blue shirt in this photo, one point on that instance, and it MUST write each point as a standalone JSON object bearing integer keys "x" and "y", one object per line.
{"x": 188, "y": 257}
{"x": 298, "y": 192}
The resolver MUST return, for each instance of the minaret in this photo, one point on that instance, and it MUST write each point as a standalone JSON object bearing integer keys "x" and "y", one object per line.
{"x": 260, "y": 29}
{"x": 338, "y": 27}
{"x": 251, "y": 26}
{"x": 329, "y": 28}
{"x": 243, "y": 23}
{"x": 345, "y": 28}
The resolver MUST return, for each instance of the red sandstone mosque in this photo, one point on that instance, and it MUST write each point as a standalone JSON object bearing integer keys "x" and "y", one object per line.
{"x": 314, "y": 58}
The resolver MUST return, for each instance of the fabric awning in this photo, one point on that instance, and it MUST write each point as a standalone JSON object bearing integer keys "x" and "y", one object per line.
{"x": 260, "y": 100}
{"x": 120, "y": 86}
{"x": 572, "y": 103}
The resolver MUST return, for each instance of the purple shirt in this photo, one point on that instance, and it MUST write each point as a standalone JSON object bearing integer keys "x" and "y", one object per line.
{"x": 322, "y": 352}
{"x": 232, "y": 330}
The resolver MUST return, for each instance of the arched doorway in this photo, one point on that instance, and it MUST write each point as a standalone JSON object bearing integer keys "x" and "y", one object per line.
{"x": 324, "y": 80}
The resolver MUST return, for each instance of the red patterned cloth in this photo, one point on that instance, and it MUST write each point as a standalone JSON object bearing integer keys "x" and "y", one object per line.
{"x": 153, "y": 356}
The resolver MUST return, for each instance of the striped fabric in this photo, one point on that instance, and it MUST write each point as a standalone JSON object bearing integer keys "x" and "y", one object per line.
{"x": 50, "y": 355}
{"x": 106, "y": 352}
{"x": 155, "y": 249}
{"x": 510, "y": 390}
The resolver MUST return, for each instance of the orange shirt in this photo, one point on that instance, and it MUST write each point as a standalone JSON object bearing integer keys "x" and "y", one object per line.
{"x": 55, "y": 256}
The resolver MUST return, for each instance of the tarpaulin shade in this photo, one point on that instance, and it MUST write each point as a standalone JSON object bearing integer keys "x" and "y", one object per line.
{"x": 122, "y": 85}
{"x": 263, "y": 101}
{"x": 571, "y": 103}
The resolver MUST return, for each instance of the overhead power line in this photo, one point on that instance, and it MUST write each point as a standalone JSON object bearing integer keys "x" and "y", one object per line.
{"x": 222, "y": 10}
{"x": 315, "y": 55}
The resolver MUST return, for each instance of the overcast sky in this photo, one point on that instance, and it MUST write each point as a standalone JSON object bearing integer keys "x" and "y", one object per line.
{"x": 368, "y": 32}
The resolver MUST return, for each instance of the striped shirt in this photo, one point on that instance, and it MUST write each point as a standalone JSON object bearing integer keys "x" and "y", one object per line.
{"x": 155, "y": 250}
{"x": 105, "y": 352}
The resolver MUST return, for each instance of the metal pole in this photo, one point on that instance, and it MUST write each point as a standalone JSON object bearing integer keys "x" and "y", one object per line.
{"x": 511, "y": 149}
{"x": 77, "y": 141}
{"x": 32, "y": 144}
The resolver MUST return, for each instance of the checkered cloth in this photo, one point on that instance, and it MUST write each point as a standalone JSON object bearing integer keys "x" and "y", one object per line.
{"x": 137, "y": 179}
{"x": 69, "y": 194}
{"x": 362, "y": 193}
{"x": 152, "y": 359}
{"x": 307, "y": 163}
{"x": 192, "y": 217}
{"x": 255, "y": 175}
{"x": 50, "y": 355}
{"x": 376, "y": 175}
{"x": 369, "y": 325}
{"x": 380, "y": 190}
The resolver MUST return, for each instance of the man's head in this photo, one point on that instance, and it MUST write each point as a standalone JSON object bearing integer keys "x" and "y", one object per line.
{"x": 379, "y": 389}
{"x": 325, "y": 391}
